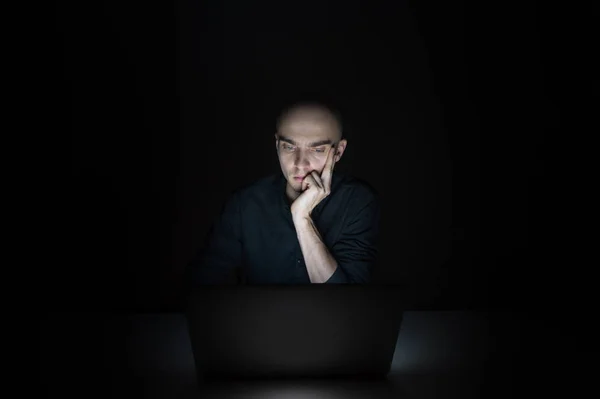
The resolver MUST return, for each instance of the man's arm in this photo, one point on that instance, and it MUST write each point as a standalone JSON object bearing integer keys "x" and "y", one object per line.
{"x": 320, "y": 264}
{"x": 221, "y": 254}
{"x": 352, "y": 257}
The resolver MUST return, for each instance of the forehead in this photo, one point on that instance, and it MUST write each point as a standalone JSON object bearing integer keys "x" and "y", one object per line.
{"x": 308, "y": 126}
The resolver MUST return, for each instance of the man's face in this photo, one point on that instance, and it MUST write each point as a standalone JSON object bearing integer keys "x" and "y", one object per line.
{"x": 303, "y": 141}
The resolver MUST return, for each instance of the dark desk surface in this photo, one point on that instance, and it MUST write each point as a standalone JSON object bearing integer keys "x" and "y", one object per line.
{"x": 438, "y": 355}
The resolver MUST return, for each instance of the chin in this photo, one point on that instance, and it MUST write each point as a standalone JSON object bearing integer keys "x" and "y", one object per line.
{"x": 296, "y": 186}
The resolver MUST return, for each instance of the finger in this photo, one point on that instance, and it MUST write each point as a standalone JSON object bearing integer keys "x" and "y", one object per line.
{"x": 328, "y": 169}
{"x": 315, "y": 176}
{"x": 308, "y": 182}
{"x": 334, "y": 153}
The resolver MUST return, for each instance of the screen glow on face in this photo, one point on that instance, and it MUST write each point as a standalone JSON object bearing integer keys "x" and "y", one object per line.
{"x": 290, "y": 149}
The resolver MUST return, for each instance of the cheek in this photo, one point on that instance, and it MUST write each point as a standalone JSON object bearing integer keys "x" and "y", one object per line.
{"x": 286, "y": 163}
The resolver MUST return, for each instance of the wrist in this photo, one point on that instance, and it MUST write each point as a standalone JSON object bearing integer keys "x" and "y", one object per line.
{"x": 301, "y": 218}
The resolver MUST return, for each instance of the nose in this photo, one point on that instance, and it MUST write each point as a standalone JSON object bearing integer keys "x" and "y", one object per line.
{"x": 301, "y": 159}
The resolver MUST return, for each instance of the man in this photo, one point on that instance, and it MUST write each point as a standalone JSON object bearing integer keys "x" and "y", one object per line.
{"x": 304, "y": 225}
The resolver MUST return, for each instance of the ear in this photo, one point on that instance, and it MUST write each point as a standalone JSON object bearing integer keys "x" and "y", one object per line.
{"x": 341, "y": 147}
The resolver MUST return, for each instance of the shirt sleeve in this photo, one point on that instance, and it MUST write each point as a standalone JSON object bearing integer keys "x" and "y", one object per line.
{"x": 356, "y": 250}
{"x": 221, "y": 255}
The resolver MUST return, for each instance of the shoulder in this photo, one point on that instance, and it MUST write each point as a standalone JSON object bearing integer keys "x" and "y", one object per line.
{"x": 358, "y": 190}
{"x": 262, "y": 187}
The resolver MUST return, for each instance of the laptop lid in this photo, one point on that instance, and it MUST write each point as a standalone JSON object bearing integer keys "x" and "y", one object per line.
{"x": 293, "y": 330}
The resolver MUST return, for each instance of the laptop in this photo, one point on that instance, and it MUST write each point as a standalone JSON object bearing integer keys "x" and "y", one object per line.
{"x": 290, "y": 331}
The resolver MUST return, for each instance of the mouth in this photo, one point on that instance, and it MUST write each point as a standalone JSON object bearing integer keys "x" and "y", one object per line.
{"x": 297, "y": 178}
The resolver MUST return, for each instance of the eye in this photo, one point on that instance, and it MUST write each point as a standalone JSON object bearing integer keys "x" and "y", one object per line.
{"x": 320, "y": 150}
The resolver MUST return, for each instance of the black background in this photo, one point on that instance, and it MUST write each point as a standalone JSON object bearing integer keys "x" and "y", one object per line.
{"x": 447, "y": 107}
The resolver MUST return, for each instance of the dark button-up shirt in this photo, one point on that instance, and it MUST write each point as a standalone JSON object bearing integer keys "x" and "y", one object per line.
{"x": 254, "y": 236}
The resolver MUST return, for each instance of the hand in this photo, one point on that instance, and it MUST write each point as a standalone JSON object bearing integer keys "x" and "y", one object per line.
{"x": 315, "y": 188}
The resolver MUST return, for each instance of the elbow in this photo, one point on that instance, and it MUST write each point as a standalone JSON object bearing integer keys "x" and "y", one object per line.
{"x": 340, "y": 276}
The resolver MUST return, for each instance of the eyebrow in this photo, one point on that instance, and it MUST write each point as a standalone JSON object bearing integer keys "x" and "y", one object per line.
{"x": 313, "y": 144}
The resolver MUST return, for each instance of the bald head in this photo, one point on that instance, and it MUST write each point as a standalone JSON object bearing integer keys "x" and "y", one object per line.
{"x": 312, "y": 118}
